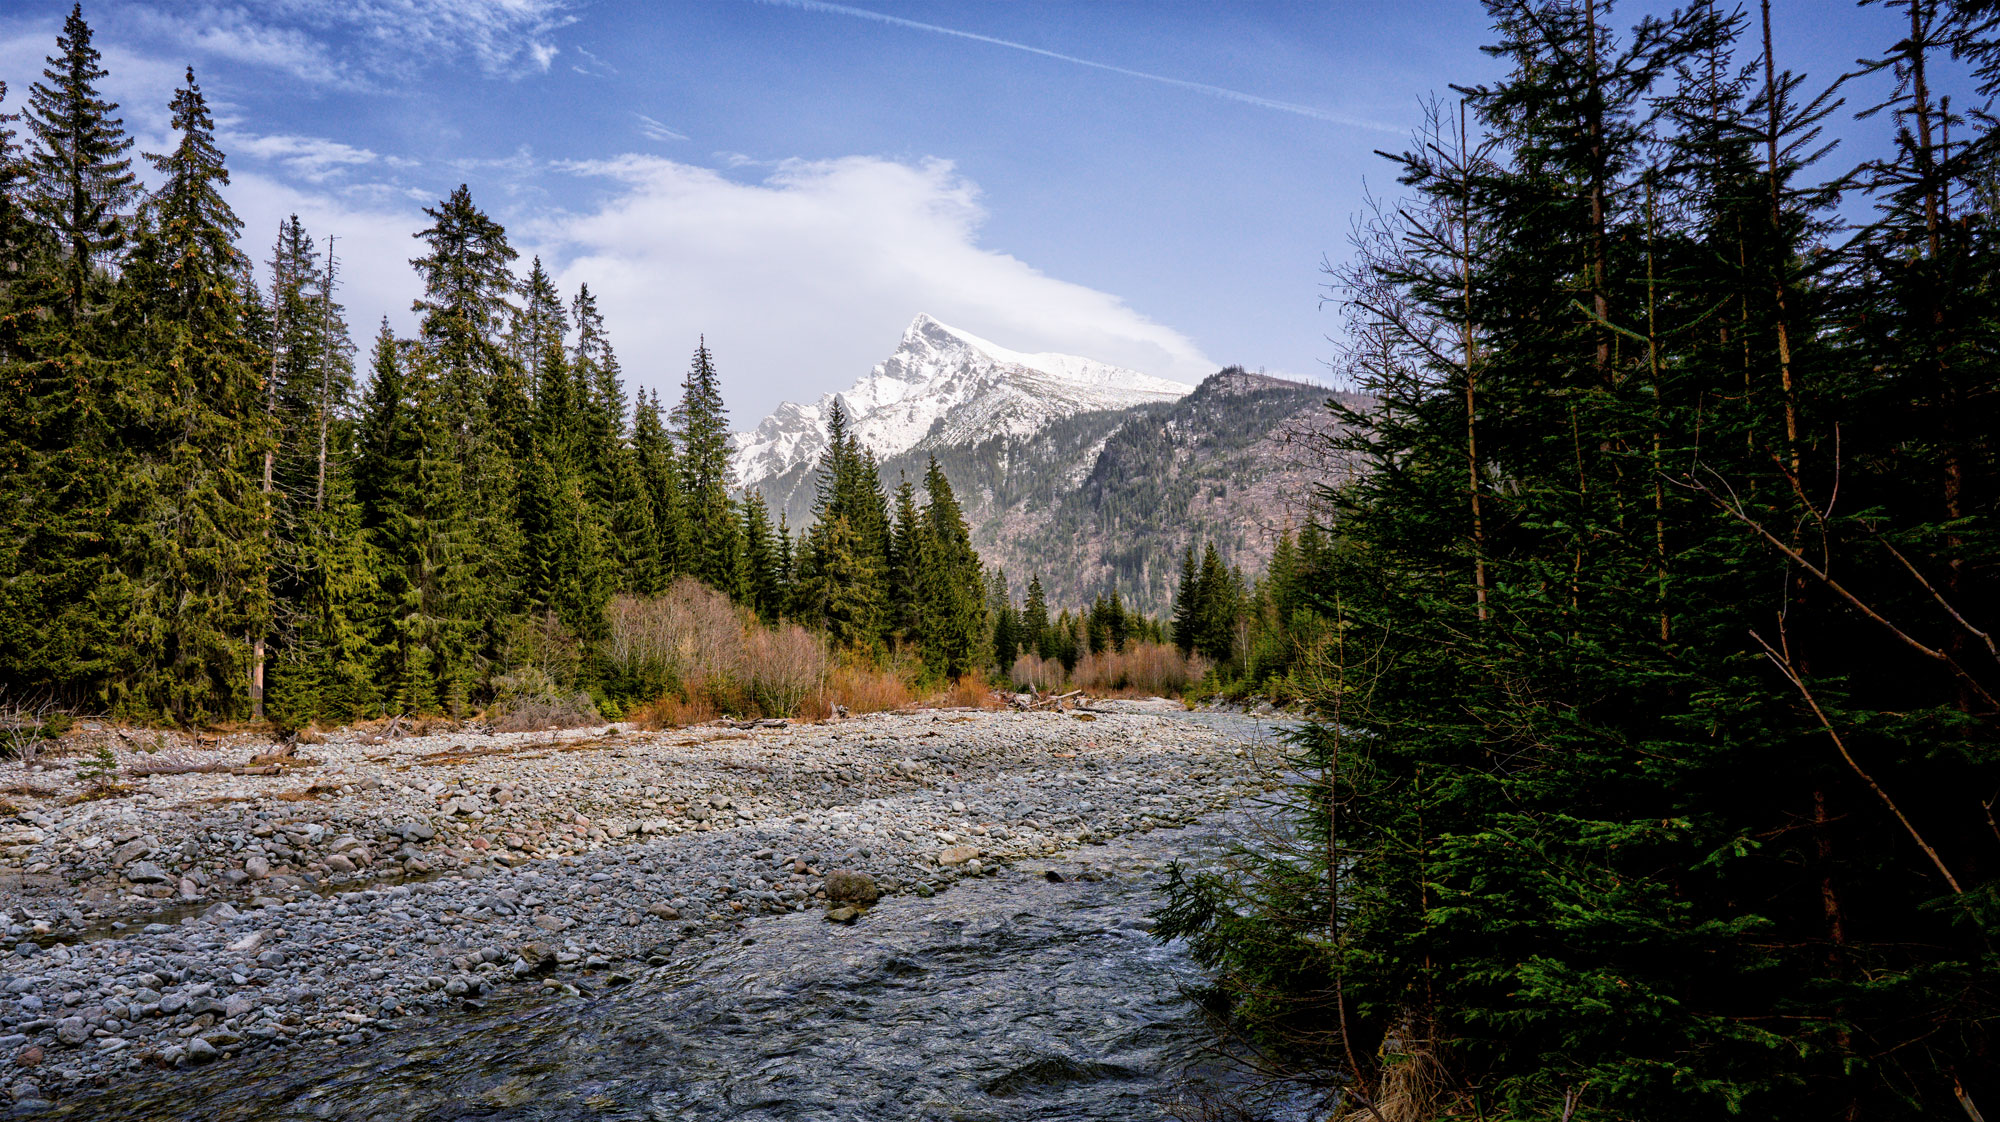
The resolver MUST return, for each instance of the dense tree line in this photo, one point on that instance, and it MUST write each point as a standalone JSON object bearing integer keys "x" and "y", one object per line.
{"x": 210, "y": 514}
{"x": 1657, "y": 764}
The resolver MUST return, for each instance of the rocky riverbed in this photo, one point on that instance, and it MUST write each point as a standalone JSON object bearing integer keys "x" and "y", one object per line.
{"x": 391, "y": 881}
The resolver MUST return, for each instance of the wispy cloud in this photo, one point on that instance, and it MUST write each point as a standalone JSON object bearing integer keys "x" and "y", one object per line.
{"x": 234, "y": 34}
{"x": 654, "y": 130}
{"x": 520, "y": 163}
{"x": 1223, "y": 92}
{"x": 356, "y": 42}
{"x": 312, "y": 158}
{"x": 591, "y": 66}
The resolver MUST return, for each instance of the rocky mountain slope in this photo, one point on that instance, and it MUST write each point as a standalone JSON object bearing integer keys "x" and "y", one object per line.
{"x": 1108, "y": 500}
{"x": 941, "y": 387}
{"x": 1090, "y": 476}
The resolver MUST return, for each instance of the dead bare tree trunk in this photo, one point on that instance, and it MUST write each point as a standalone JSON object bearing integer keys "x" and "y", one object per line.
{"x": 1471, "y": 374}
{"x": 1777, "y": 234}
{"x": 278, "y": 273}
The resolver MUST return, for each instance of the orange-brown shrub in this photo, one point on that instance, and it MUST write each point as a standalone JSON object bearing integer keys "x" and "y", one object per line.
{"x": 670, "y": 712}
{"x": 969, "y": 692}
{"x": 865, "y": 689}
{"x": 1141, "y": 669}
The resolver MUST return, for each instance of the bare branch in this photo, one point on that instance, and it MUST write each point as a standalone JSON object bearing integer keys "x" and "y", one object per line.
{"x": 1784, "y": 665}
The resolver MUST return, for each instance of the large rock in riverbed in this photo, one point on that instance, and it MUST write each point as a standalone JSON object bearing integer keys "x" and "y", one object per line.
{"x": 957, "y": 855}
{"x": 145, "y": 872}
{"x": 851, "y": 887}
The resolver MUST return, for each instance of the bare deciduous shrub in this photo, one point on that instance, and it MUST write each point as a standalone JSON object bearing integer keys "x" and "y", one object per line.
{"x": 700, "y": 654}
{"x": 28, "y": 731}
{"x": 690, "y": 633}
{"x": 529, "y": 699}
{"x": 970, "y": 691}
{"x": 786, "y": 668}
{"x": 1140, "y": 669}
{"x": 1032, "y": 672}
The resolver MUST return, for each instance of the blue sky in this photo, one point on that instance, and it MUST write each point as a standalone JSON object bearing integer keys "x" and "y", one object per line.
{"x": 798, "y": 180}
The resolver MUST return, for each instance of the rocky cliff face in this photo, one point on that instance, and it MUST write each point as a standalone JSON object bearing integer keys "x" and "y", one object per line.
{"x": 1091, "y": 476}
{"x": 1110, "y": 499}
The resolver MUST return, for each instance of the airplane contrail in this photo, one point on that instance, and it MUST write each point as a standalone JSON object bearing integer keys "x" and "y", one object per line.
{"x": 825, "y": 6}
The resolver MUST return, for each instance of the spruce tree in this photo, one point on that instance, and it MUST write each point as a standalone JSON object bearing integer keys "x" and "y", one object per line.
{"x": 322, "y": 588}
{"x": 1006, "y": 622}
{"x": 562, "y": 535}
{"x": 82, "y": 175}
{"x": 847, "y": 504}
{"x": 905, "y": 534}
{"x": 1187, "y": 603}
{"x": 198, "y": 433}
{"x": 1036, "y": 633}
{"x": 757, "y": 584}
{"x": 63, "y": 594}
{"x": 1660, "y": 826}
{"x": 952, "y": 626}
{"x": 605, "y": 455}
{"x": 422, "y": 533}
{"x": 652, "y": 522}
{"x": 473, "y": 407}
{"x": 1216, "y": 606}
{"x": 701, "y": 427}
{"x": 784, "y": 568}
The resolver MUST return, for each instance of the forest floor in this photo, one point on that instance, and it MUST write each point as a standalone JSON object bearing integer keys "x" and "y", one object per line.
{"x": 174, "y": 918}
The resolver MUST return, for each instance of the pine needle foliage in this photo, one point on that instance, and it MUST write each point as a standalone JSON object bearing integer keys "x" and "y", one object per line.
{"x": 1657, "y": 723}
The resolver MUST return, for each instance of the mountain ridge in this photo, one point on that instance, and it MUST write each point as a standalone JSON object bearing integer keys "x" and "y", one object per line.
{"x": 1092, "y": 476}
{"x": 942, "y": 385}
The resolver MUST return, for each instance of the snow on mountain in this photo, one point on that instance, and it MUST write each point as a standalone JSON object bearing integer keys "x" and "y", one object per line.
{"x": 944, "y": 386}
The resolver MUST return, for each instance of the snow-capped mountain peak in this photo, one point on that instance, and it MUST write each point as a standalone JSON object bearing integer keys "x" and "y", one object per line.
{"x": 945, "y": 386}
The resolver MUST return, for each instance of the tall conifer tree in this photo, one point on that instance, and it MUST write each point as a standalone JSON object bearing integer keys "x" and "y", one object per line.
{"x": 701, "y": 427}
{"x": 199, "y": 434}
{"x": 84, "y": 181}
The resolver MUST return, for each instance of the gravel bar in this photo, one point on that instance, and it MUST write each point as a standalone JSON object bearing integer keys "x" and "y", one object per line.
{"x": 206, "y": 914}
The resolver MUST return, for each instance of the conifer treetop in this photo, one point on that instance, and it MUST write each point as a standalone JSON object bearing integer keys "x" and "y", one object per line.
{"x": 83, "y": 177}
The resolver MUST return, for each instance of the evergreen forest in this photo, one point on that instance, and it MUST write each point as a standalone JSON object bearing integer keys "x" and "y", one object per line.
{"x": 215, "y": 509}
{"x": 1656, "y": 758}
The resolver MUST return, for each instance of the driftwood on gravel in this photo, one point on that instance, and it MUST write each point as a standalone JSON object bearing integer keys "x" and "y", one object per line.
{"x": 761, "y": 723}
{"x": 1037, "y": 702}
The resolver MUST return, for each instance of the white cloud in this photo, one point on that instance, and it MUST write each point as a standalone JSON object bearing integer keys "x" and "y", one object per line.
{"x": 503, "y": 36}
{"x": 805, "y": 280}
{"x": 592, "y": 66}
{"x": 232, "y": 33}
{"x": 311, "y": 158}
